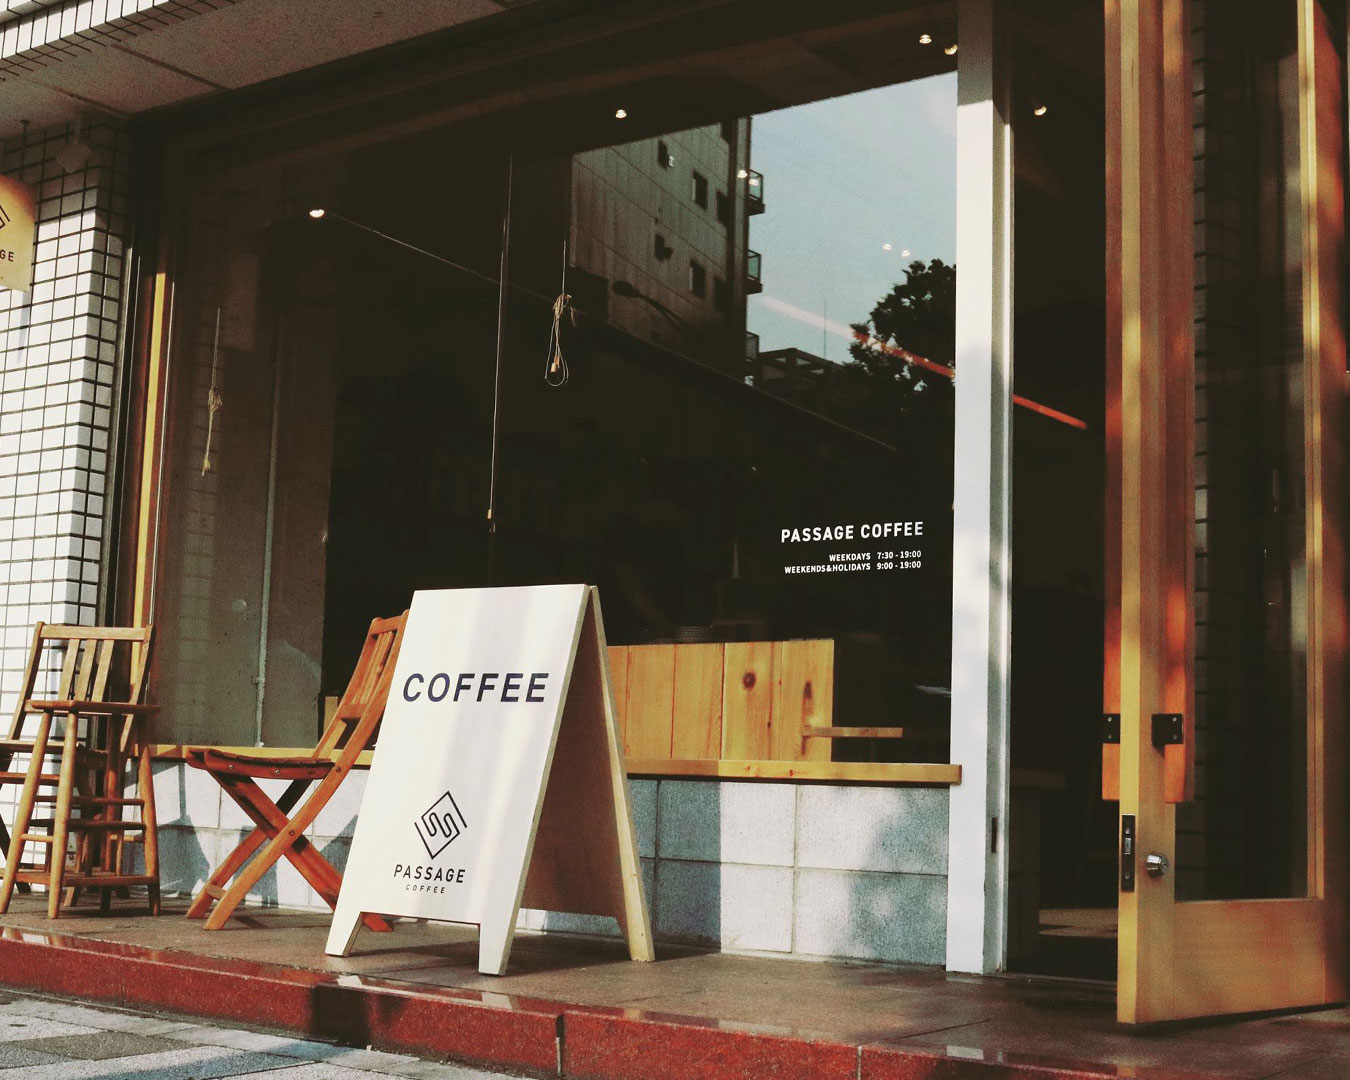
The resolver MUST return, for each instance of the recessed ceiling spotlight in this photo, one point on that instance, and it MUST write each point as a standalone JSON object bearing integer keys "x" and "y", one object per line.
{"x": 925, "y": 39}
{"x": 1040, "y": 110}
{"x": 317, "y": 213}
{"x": 620, "y": 114}
{"x": 885, "y": 247}
{"x": 950, "y": 50}
{"x": 905, "y": 253}
{"x": 741, "y": 174}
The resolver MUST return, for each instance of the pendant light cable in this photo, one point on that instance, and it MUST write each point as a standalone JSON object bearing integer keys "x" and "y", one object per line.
{"x": 213, "y": 399}
{"x": 497, "y": 379}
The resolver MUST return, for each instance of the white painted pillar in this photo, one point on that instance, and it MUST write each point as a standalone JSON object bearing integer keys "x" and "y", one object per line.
{"x": 977, "y": 883}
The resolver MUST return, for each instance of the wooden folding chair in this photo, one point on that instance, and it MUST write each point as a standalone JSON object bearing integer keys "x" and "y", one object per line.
{"x": 83, "y": 770}
{"x": 351, "y": 730}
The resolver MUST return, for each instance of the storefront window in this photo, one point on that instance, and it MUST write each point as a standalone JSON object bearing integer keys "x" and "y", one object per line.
{"x": 305, "y": 356}
{"x": 1059, "y": 488}
{"x": 721, "y": 391}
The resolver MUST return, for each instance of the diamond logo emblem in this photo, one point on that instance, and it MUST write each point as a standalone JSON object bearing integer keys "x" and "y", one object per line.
{"x": 440, "y": 824}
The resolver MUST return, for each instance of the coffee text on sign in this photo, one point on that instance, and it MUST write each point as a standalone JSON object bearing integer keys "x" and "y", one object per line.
{"x": 510, "y": 686}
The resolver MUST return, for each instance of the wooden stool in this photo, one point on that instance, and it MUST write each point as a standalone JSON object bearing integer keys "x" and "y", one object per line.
{"x": 97, "y": 745}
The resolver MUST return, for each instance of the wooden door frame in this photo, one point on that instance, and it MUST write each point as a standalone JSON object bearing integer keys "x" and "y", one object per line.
{"x": 1200, "y": 958}
{"x": 1148, "y": 69}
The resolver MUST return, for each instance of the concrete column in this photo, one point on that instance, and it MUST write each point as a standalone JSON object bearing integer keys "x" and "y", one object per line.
{"x": 982, "y": 503}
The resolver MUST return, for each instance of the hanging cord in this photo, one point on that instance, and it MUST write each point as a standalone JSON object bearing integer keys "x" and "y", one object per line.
{"x": 497, "y": 377}
{"x": 213, "y": 399}
{"x": 555, "y": 364}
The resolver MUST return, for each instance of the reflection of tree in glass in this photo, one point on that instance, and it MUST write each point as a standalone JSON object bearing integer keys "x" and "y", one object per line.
{"x": 892, "y": 389}
{"x": 917, "y": 316}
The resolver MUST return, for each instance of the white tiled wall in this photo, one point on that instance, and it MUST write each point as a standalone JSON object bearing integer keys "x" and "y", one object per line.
{"x": 37, "y": 33}
{"x": 59, "y": 347}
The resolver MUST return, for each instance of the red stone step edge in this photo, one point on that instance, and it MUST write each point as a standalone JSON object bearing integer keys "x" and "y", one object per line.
{"x": 624, "y": 1044}
{"x": 434, "y": 1021}
{"x": 542, "y": 1038}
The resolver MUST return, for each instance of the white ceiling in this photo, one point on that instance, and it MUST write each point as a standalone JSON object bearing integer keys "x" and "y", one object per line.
{"x": 247, "y": 42}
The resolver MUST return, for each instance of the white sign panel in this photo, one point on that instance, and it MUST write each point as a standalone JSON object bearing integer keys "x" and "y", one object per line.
{"x": 18, "y": 234}
{"x": 485, "y": 681}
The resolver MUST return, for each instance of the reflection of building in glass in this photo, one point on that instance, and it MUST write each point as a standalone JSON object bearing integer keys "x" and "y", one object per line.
{"x": 794, "y": 374}
{"x": 662, "y": 224}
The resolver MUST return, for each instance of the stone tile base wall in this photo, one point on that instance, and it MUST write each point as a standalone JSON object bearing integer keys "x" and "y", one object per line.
{"x": 781, "y": 868}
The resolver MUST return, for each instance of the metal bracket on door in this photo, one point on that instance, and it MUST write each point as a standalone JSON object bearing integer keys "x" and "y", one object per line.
{"x": 1111, "y": 728}
{"x": 1169, "y": 729}
{"x": 1127, "y": 853}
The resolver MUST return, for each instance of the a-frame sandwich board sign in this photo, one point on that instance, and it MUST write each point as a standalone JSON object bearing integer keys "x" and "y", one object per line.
{"x": 498, "y": 781}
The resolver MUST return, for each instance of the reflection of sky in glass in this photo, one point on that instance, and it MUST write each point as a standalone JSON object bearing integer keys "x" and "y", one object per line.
{"x": 842, "y": 178}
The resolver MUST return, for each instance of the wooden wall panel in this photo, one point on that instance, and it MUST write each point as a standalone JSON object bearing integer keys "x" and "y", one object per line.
{"x": 744, "y": 701}
{"x": 697, "y": 722}
{"x": 804, "y": 696}
{"x": 651, "y": 701}
{"x": 747, "y": 700}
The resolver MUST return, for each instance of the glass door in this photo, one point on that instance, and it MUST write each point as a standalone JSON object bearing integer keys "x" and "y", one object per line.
{"x": 1227, "y": 376}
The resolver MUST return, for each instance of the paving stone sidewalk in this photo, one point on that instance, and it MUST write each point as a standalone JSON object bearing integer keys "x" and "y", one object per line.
{"x": 53, "y": 1039}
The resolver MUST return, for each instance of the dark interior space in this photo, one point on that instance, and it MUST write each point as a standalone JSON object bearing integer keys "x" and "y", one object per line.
{"x": 659, "y": 471}
{"x": 1064, "y": 863}
{"x": 1252, "y": 653}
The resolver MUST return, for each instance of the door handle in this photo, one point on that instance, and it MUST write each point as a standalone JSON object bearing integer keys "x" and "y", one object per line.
{"x": 1156, "y": 865}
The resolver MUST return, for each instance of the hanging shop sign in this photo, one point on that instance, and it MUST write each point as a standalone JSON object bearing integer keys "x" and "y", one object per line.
{"x": 498, "y": 781}
{"x": 18, "y": 234}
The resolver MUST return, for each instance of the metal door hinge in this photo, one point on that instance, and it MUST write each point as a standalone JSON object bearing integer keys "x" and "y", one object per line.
{"x": 1169, "y": 729}
{"x": 1111, "y": 728}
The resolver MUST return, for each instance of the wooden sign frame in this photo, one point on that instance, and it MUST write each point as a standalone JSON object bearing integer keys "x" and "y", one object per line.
{"x": 576, "y": 851}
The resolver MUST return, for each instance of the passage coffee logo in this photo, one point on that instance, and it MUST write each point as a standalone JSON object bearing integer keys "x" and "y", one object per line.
{"x": 440, "y": 824}
{"x": 4, "y": 217}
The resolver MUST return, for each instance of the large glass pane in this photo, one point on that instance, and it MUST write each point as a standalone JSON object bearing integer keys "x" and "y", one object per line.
{"x": 773, "y": 359}
{"x": 748, "y": 437}
{"x": 857, "y": 322}
{"x": 229, "y": 392}
{"x": 1062, "y": 888}
{"x": 308, "y": 351}
{"x": 1245, "y": 834}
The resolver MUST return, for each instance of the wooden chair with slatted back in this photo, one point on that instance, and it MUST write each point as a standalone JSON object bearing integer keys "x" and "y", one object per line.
{"x": 90, "y": 746}
{"x": 277, "y": 832}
